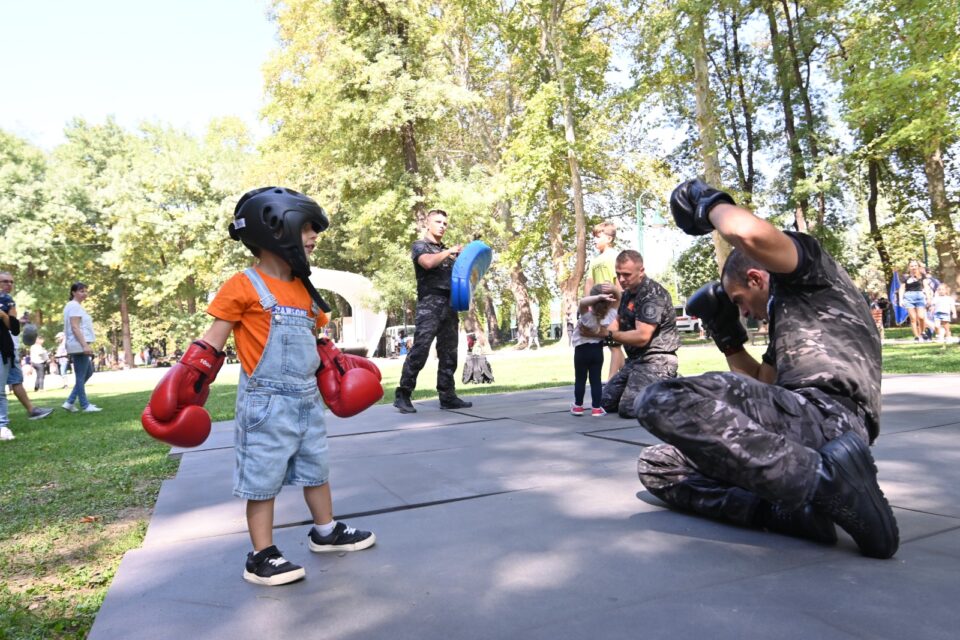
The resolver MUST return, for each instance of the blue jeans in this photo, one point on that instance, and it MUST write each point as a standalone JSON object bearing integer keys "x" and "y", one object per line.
{"x": 82, "y": 370}
{"x": 4, "y": 370}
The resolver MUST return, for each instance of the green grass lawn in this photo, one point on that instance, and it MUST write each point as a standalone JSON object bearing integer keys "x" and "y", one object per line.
{"x": 76, "y": 490}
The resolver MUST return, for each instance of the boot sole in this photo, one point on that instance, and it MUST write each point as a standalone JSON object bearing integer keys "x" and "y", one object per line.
{"x": 864, "y": 480}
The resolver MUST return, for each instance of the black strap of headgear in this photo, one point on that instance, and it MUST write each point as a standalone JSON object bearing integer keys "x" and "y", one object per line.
{"x": 315, "y": 295}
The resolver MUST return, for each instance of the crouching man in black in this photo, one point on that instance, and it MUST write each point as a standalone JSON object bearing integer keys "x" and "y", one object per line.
{"x": 779, "y": 444}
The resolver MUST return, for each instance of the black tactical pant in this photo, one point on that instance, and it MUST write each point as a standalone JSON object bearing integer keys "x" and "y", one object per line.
{"x": 435, "y": 319}
{"x": 621, "y": 392}
{"x": 734, "y": 441}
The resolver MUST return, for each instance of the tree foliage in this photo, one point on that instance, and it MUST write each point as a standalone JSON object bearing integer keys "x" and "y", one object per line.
{"x": 528, "y": 121}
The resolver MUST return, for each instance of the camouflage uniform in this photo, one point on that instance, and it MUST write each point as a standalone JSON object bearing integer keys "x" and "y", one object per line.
{"x": 649, "y": 303}
{"x": 435, "y": 319}
{"x": 735, "y": 442}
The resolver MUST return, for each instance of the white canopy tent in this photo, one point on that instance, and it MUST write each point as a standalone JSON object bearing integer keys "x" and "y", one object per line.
{"x": 367, "y": 324}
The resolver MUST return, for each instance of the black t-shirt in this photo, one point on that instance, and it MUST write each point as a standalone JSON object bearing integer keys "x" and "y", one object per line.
{"x": 431, "y": 281}
{"x": 6, "y": 335}
{"x": 822, "y": 333}
{"x": 913, "y": 284}
{"x": 651, "y": 304}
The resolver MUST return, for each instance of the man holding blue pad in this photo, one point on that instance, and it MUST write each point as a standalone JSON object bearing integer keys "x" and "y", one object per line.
{"x": 436, "y": 318}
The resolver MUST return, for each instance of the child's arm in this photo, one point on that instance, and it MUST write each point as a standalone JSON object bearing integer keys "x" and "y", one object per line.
{"x": 175, "y": 413}
{"x": 587, "y": 302}
{"x": 216, "y": 336}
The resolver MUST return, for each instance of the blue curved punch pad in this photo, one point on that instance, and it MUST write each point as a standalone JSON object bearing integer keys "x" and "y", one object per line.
{"x": 469, "y": 267}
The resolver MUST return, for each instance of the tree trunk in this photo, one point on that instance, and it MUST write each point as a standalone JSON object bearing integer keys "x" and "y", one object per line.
{"x": 518, "y": 282}
{"x": 751, "y": 175}
{"x": 411, "y": 164}
{"x": 707, "y": 126}
{"x": 946, "y": 241}
{"x": 873, "y": 170}
{"x": 472, "y": 324}
{"x": 729, "y": 77}
{"x": 798, "y": 172}
{"x": 570, "y": 285}
{"x": 490, "y": 313}
{"x": 125, "y": 326}
{"x": 810, "y": 127}
{"x": 558, "y": 253}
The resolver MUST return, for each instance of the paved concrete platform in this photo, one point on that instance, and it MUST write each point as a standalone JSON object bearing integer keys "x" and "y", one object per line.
{"x": 514, "y": 519}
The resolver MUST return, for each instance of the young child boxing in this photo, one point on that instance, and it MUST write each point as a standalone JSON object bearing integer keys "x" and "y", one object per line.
{"x": 274, "y": 312}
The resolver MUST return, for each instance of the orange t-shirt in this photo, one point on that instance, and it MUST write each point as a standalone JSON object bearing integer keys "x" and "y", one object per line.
{"x": 238, "y": 302}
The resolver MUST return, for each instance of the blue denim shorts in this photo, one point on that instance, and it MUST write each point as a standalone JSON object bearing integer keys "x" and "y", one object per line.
{"x": 914, "y": 300}
{"x": 280, "y": 439}
{"x": 16, "y": 373}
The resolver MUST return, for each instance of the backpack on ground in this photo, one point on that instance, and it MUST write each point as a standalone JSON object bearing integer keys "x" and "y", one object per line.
{"x": 476, "y": 370}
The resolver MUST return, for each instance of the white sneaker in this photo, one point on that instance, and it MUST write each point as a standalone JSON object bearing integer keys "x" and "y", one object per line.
{"x": 92, "y": 408}
{"x": 6, "y": 434}
{"x": 69, "y": 407}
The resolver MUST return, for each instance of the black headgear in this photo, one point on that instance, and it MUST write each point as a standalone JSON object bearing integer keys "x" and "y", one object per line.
{"x": 271, "y": 218}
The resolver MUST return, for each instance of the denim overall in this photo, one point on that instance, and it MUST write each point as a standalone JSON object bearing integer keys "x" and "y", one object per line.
{"x": 280, "y": 436}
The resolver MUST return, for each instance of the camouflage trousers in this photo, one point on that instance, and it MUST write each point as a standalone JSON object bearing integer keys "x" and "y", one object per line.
{"x": 435, "y": 319}
{"x": 734, "y": 441}
{"x": 621, "y": 392}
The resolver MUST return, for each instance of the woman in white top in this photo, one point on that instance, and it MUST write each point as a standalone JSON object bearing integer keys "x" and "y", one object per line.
{"x": 78, "y": 331}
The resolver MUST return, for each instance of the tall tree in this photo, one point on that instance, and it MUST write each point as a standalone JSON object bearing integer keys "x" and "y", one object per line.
{"x": 901, "y": 89}
{"x": 359, "y": 95}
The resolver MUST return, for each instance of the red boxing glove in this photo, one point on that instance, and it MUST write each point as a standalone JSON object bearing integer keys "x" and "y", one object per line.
{"x": 349, "y": 384}
{"x": 175, "y": 413}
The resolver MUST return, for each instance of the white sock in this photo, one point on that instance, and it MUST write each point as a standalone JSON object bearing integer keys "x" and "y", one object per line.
{"x": 325, "y": 529}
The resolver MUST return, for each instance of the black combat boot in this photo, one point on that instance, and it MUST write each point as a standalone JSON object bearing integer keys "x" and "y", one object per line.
{"x": 402, "y": 402}
{"x": 847, "y": 492}
{"x": 804, "y": 522}
{"x": 456, "y": 403}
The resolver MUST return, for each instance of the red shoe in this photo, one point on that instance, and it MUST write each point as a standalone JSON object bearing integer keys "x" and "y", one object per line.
{"x": 576, "y": 410}
{"x": 598, "y": 412}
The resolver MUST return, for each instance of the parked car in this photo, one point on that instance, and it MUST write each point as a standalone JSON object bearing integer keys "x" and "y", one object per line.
{"x": 397, "y": 339}
{"x": 687, "y": 322}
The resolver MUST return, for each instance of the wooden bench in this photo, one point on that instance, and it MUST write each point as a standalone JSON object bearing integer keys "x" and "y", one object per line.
{"x": 759, "y": 336}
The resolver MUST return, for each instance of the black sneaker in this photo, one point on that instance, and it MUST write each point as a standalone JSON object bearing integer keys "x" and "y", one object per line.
{"x": 39, "y": 413}
{"x": 343, "y": 538}
{"x": 456, "y": 403}
{"x": 270, "y": 568}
